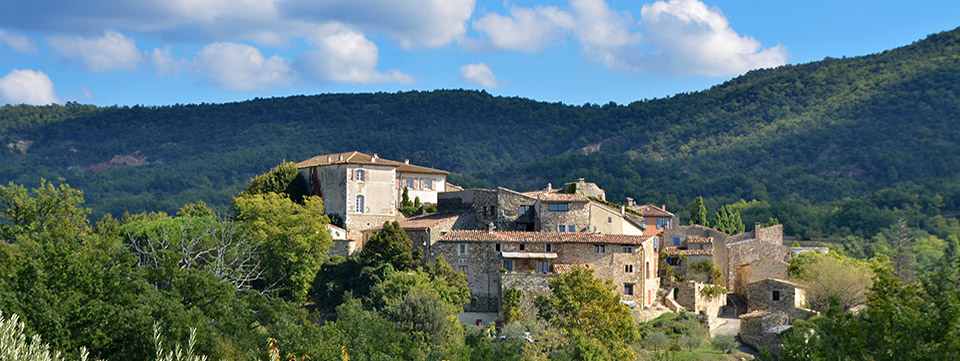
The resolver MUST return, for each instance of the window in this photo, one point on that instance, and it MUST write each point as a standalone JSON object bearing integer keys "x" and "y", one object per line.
{"x": 361, "y": 175}
{"x": 360, "y": 203}
{"x": 543, "y": 267}
{"x": 644, "y": 222}
{"x": 427, "y": 183}
{"x": 523, "y": 210}
{"x": 648, "y": 269}
{"x": 523, "y": 247}
{"x": 667, "y": 223}
{"x": 659, "y": 222}
{"x": 676, "y": 241}
{"x": 558, "y": 207}
{"x": 776, "y": 295}
{"x": 508, "y": 265}
{"x": 548, "y": 248}
{"x": 627, "y": 249}
{"x": 628, "y": 289}
{"x": 497, "y": 247}
{"x": 409, "y": 182}
{"x": 571, "y": 228}
{"x": 599, "y": 248}
{"x": 561, "y": 228}
{"x": 628, "y": 268}
{"x": 463, "y": 249}
{"x": 609, "y": 219}
{"x": 655, "y": 245}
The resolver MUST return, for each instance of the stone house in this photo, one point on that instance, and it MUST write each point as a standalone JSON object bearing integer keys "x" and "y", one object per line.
{"x": 493, "y": 260}
{"x": 747, "y": 247}
{"x": 585, "y": 188}
{"x": 757, "y": 271}
{"x": 775, "y": 295}
{"x": 655, "y": 219}
{"x": 505, "y": 209}
{"x": 365, "y": 190}
{"x": 696, "y": 243}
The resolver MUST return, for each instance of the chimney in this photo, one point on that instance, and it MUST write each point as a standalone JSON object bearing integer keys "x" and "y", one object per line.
{"x": 549, "y": 187}
{"x": 490, "y": 227}
{"x": 580, "y": 180}
{"x": 663, "y": 207}
{"x": 374, "y": 159}
{"x": 623, "y": 211}
{"x": 328, "y": 159}
{"x": 406, "y": 161}
{"x": 630, "y": 202}
{"x": 340, "y": 158}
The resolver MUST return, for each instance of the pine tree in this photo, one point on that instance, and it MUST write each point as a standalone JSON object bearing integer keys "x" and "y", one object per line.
{"x": 698, "y": 213}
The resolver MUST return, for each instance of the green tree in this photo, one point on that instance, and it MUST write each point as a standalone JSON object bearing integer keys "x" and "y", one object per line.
{"x": 511, "y": 305}
{"x": 285, "y": 178}
{"x": 698, "y": 213}
{"x": 588, "y": 310}
{"x": 391, "y": 245}
{"x": 828, "y": 276}
{"x": 196, "y": 209}
{"x": 292, "y": 239}
{"x": 53, "y": 213}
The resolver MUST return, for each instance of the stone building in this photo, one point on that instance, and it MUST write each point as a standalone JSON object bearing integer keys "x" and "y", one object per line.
{"x": 365, "y": 190}
{"x": 775, "y": 295}
{"x": 757, "y": 271}
{"x": 505, "y": 209}
{"x": 696, "y": 243}
{"x": 342, "y": 246}
{"x": 585, "y": 188}
{"x": 656, "y": 220}
{"x": 493, "y": 259}
{"x": 747, "y": 247}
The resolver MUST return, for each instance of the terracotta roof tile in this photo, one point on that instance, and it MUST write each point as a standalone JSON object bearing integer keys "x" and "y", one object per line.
{"x": 700, "y": 240}
{"x": 542, "y": 237}
{"x": 651, "y": 211}
{"x": 561, "y": 268}
{"x": 362, "y": 158}
{"x": 428, "y": 220}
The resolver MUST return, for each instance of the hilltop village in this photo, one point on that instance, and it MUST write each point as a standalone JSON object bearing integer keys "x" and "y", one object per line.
{"x": 506, "y": 240}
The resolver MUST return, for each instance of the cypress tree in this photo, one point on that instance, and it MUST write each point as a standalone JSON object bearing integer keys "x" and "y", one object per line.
{"x": 698, "y": 213}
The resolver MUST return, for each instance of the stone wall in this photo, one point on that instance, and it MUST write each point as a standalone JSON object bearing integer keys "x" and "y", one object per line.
{"x": 759, "y": 329}
{"x": 757, "y": 271}
{"x": 343, "y": 248}
{"x": 749, "y": 251}
{"x": 719, "y": 242}
{"x": 482, "y": 264}
{"x": 530, "y": 285}
{"x": 761, "y": 296}
{"x": 689, "y": 294}
{"x": 577, "y": 214}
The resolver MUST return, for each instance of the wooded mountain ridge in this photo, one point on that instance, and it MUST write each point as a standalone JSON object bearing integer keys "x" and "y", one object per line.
{"x": 810, "y": 133}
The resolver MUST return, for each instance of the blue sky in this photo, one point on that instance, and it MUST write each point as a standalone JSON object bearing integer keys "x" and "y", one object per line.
{"x": 156, "y": 52}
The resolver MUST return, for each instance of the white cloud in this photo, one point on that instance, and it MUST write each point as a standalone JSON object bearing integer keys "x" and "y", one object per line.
{"x": 241, "y": 67}
{"x": 27, "y": 86}
{"x": 112, "y": 51}
{"x": 525, "y": 29}
{"x": 694, "y": 38}
{"x": 413, "y": 23}
{"x": 680, "y": 37}
{"x": 344, "y": 55}
{"x": 479, "y": 74}
{"x": 16, "y": 42}
{"x": 165, "y": 62}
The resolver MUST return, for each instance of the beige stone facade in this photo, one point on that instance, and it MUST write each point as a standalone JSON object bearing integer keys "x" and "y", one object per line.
{"x": 775, "y": 295}
{"x": 757, "y": 271}
{"x": 490, "y": 258}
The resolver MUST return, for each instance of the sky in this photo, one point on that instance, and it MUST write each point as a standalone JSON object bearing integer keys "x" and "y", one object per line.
{"x": 161, "y": 52}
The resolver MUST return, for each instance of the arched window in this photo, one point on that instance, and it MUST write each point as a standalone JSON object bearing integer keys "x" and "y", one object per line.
{"x": 361, "y": 175}
{"x": 359, "y": 203}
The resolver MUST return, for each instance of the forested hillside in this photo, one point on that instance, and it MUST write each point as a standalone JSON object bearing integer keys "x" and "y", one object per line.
{"x": 882, "y": 129}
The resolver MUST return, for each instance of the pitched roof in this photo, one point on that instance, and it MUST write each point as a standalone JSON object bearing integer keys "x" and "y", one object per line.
{"x": 366, "y": 159}
{"x": 651, "y": 211}
{"x": 428, "y": 220}
{"x": 699, "y": 240}
{"x": 542, "y": 237}
{"x": 561, "y": 197}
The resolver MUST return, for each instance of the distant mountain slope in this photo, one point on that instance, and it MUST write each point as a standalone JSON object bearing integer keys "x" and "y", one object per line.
{"x": 818, "y": 131}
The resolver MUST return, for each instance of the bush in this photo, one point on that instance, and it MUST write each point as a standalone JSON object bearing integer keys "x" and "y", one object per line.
{"x": 725, "y": 343}
{"x": 689, "y": 341}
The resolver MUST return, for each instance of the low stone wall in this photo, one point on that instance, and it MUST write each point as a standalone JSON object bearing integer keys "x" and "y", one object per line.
{"x": 759, "y": 329}
{"x": 530, "y": 285}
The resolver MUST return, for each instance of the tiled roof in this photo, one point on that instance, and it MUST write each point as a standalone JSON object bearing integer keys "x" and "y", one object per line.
{"x": 693, "y": 252}
{"x": 428, "y": 220}
{"x": 362, "y": 158}
{"x": 651, "y": 211}
{"x": 700, "y": 240}
{"x": 753, "y": 314}
{"x": 561, "y": 268}
{"x": 542, "y": 237}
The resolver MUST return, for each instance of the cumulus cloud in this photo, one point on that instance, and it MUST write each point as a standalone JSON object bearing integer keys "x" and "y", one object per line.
{"x": 479, "y": 74}
{"x": 241, "y": 67}
{"x": 27, "y": 87}
{"x": 679, "y": 37}
{"x": 344, "y": 55}
{"x": 16, "y": 42}
{"x": 413, "y": 23}
{"x": 165, "y": 63}
{"x": 689, "y": 35}
{"x": 112, "y": 51}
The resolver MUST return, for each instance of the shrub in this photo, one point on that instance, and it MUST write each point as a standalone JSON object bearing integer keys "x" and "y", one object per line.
{"x": 725, "y": 343}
